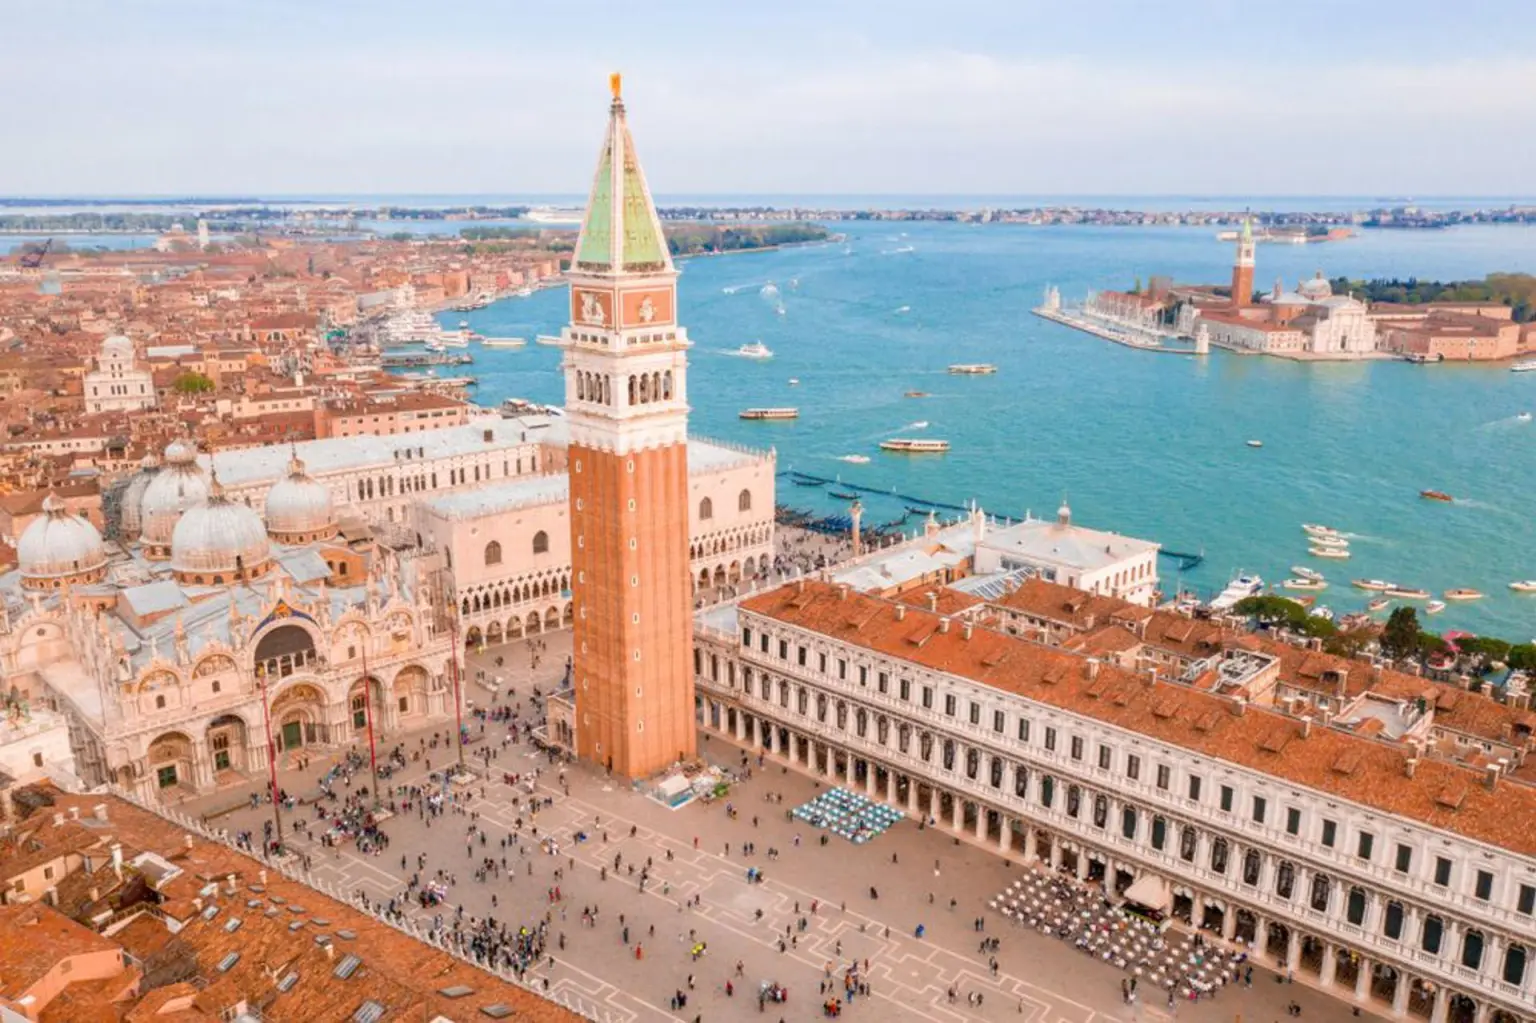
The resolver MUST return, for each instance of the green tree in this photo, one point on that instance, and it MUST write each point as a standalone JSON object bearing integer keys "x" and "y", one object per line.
{"x": 1273, "y": 609}
{"x": 1522, "y": 657}
{"x": 1401, "y": 636}
{"x": 192, "y": 383}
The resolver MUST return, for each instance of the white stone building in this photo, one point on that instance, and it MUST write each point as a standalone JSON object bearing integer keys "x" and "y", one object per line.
{"x": 1060, "y": 551}
{"x": 118, "y": 383}
{"x": 1402, "y": 881}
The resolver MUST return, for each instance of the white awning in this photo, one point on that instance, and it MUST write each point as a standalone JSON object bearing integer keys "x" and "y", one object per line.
{"x": 1151, "y": 891}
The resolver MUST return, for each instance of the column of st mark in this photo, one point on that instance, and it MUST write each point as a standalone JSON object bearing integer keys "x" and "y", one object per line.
{"x": 626, "y": 403}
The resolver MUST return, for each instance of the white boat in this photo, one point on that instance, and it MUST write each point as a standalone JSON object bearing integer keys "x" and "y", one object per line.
{"x": 769, "y": 413}
{"x": 1303, "y": 572}
{"x": 755, "y": 350}
{"x": 1408, "y": 593}
{"x": 854, "y": 459}
{"x": 1313, "y": 529}
{"x": 1337, "y": 553}
{"x": 1523, "y": 586}
{"x": 915, "y": 446}
{"x": 503, "y": 342}
{"x": 1325, "y": 613}
{"x": 1434, "y": 607}
{"x": 1243, "y": 586}
{"x": 1523, "y": 417}
{"x": 1523, "y": 367}
{"x": 454, "y": 338}
{"x": 1255, "y": 444}
{"x": 1304, "y": 584}
{"x": 552, "y": 340}
{"x": 1329, "y": 541}
{"x": 794, "y": 381}
{"x": 972, "y": 369}
{"x": 1372, "y": 584}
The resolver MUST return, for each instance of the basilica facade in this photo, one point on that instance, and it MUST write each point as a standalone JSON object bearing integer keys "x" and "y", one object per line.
{"x": 211, "y": 636}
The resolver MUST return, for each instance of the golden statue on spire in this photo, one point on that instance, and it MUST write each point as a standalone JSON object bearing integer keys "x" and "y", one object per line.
{"x": 615, "y": 83}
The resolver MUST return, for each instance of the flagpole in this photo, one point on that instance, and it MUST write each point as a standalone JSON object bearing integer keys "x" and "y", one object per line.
{"x": 373, "y": 756}
{"x": 266, "y": 717}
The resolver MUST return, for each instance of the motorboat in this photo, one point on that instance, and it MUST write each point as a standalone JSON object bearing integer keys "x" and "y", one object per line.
{"x": 1325, "y": 613}
{"x": 1313, "y": 529}
{"x": 1244, "y": 585}
{"x": 1337, "y": 553}
{"x": 1436, "y": 495}
{"x": 1524, "y": 586}
{"x": 1377, "y": 604}
{"x": 1462, "y": 593}
{"x": 502, "y": 342}
{"x": 854, "y": 459}
{"x": 915, "y": 445}
{"x": 1434, "y": 607}
{"x": 794, "y": 381}
{"x": 915, "y": 394}
{"x": 1303, "y": 572}
{"x": 1523, "y": 367}
{"x": 1329, "y": 541}
{"x": 1304, "y": 584}
{"x": 1255, "y": 444}
{"x": 755, "y": 350}
{"x": 1372, "y": 584}
{"x": 1522, "y": 417}
{"x": 770, "y": 413}
{"x": 1408, "y": 593}
{"x": 552, "y": 340}
{"x": 972, "y": 369}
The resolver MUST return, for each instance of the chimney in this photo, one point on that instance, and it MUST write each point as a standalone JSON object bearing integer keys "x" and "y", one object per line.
{"x": 901, "y": 611}
{"x": 186, "y": 841}
{"x": 330, "y": 950}
{"x": 100, "y": 810}
{"x": 261, "y": 875}
{"x": 842, "y": 591}
{"x": 229, "y": 882}
{"x": 95, "y": 893}
{"x": 58, "y": 820}
{"x": 197, "y": 905}
{"x": 117, "y": 859}
{"x": 1091, "y": 668}
{"x": 1239, "y": 706}
{"x": 74, "y": 813}
{"x": 933, "y": 600}
{"x": 800, "y": 585}
{"x": 1491, "y": 777}
{"x": 1410, "y": 766}
{"x": 1306, "y": 727}
{"x": 965, "y": 630}
{"x": 51, "y": 896}
{"x": 943, "y": 624}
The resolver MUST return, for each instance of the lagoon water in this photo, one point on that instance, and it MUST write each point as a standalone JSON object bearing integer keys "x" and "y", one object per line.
{"x": 1149, "y": 445}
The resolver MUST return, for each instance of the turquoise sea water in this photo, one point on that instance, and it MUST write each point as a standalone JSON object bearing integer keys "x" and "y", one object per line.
{"x": 1149, "y": 445}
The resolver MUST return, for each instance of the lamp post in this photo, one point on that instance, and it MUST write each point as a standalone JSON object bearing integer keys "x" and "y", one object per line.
{"x": 458, "y": 699}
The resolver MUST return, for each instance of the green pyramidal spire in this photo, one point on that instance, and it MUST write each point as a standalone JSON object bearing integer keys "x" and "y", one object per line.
{"x": 621, "y": 232}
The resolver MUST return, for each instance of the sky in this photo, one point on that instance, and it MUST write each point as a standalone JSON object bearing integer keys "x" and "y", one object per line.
{"x": 1007, "y": 97}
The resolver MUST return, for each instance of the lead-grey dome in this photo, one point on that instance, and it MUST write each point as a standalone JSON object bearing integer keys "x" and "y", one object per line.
{"x": 299, "y": 506}
{"x": 177, "y": 487}
{"x": 59, "y": 546}
{"x": 219, "y": 537}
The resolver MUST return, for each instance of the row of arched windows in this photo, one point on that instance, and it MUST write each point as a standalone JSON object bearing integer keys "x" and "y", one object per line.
{"x": 506, "y": 596}
{"x": 649, "y": 387}
{"x": 743, "y": 503}
{"x": 593, "y": 387}
{"x": 493, "y": 549}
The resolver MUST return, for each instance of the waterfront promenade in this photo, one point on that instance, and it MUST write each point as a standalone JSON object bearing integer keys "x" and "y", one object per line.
{"x": 1129, "y": 337}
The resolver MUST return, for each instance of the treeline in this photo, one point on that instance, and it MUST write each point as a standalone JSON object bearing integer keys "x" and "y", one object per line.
{"x": 698, "y": 239}
{"x": 1518, "y": 291}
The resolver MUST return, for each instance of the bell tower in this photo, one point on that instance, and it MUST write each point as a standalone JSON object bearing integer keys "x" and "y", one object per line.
{"x": 626, "y": 402}
{"x": 1242, "y": 268}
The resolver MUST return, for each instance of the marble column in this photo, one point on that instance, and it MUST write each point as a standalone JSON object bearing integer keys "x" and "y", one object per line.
{"x": 890, "y": 786}
{"x": 1004, "y": 836}
{"x": 1400, "y": 994}
{"x": 935, "y": 804}
{"x": 1031, "y": 849}
{"x": 830, "y": 769}
{"x": 1363, "y": 980}
{"x": 957, "y": 815}
{"x": 981, "y": 823}
{"x": 1197, "y": 911}
{"x": 741, "y": 727}
{"x": 912, "y": 795}
{"x": 1229, "y": 923}
{"x": 1082, "y": 864}
{"x": 1441, "y": 1004}
{"x": 1260, "y": 946}
{"x": 869, "y": 778}
{"x": 1484, "y": 1010}
{"x": 1293, "y": 950}
{"x": 1055, "y": 852}
{"x": 1329, "y": 965}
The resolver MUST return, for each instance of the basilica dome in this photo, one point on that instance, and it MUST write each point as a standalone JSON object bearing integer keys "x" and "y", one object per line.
{"x": 177, "y": 487}
{"x": 130, "y": 508}
{"x": 218, "y": 541}
{"x": 1316, "y": 289}
{"x": 59, "y": 547}
{"x": 299, "y": 507}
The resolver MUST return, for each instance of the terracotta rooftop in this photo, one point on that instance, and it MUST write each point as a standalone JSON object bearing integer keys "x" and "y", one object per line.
{"x": 285, "y": 928}
{"x": 1369, "y": 772}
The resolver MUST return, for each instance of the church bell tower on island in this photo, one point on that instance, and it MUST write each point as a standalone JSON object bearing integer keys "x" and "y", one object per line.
{"x": 626, "y": 400}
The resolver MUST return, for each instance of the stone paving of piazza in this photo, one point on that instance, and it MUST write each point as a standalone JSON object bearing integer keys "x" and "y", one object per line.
{"x": 1040, "y": 979}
